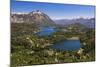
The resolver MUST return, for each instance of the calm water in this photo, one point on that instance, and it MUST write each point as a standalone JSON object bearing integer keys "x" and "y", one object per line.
{"x": 61, "y": 45}
{"x": 46, "y": 31}
{"x": 67, "y": 45}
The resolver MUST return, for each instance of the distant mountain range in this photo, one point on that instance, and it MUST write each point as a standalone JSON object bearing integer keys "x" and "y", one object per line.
{"x": 87, "y": 22}
{"x": 42, "y": 19}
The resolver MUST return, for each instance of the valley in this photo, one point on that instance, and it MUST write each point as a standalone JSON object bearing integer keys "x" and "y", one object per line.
{"x": 37, "y": 39}
{"x": 30, "y": 48}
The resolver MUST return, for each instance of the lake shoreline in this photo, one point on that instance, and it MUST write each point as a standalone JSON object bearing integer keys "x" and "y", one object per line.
{"x": 73, "y": 38}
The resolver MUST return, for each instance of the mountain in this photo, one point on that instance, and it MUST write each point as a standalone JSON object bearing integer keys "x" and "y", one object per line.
{"x": 41, "y": 19}
{"x": 37, "y": 17}
{"x": 77, "y": 27}
{"x": 87, "y": 22}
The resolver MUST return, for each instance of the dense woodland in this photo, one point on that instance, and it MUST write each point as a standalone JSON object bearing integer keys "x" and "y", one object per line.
{"x": 29, "y": 49}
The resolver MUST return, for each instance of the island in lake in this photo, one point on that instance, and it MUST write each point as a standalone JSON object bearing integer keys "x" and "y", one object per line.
{"x": 59, "y": 33}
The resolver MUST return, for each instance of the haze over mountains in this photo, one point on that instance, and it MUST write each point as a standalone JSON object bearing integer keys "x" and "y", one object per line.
{"x": 87, "y": 22}
{"x": 40, "y": 18}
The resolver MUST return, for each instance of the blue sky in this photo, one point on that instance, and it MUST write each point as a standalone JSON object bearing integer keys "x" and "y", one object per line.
{"x": 55, "y": 11}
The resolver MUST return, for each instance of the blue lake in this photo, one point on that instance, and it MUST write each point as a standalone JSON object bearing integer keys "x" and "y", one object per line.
{"x": 61, "y": 45}
{"x": 67, "y": 45}
{"x": 46, "y": 31}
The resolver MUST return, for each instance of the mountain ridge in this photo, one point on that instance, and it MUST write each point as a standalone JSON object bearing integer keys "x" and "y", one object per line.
{"x": 36, "y": 17}
{"x": 42, "y": 19}
{"x": 89, "y": 22}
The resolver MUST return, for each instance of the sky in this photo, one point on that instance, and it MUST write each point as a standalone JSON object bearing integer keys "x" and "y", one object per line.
{"x": 55, "y": 10}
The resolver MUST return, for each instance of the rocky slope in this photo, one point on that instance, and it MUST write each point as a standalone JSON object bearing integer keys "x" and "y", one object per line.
{"x": 37, "y": 17}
